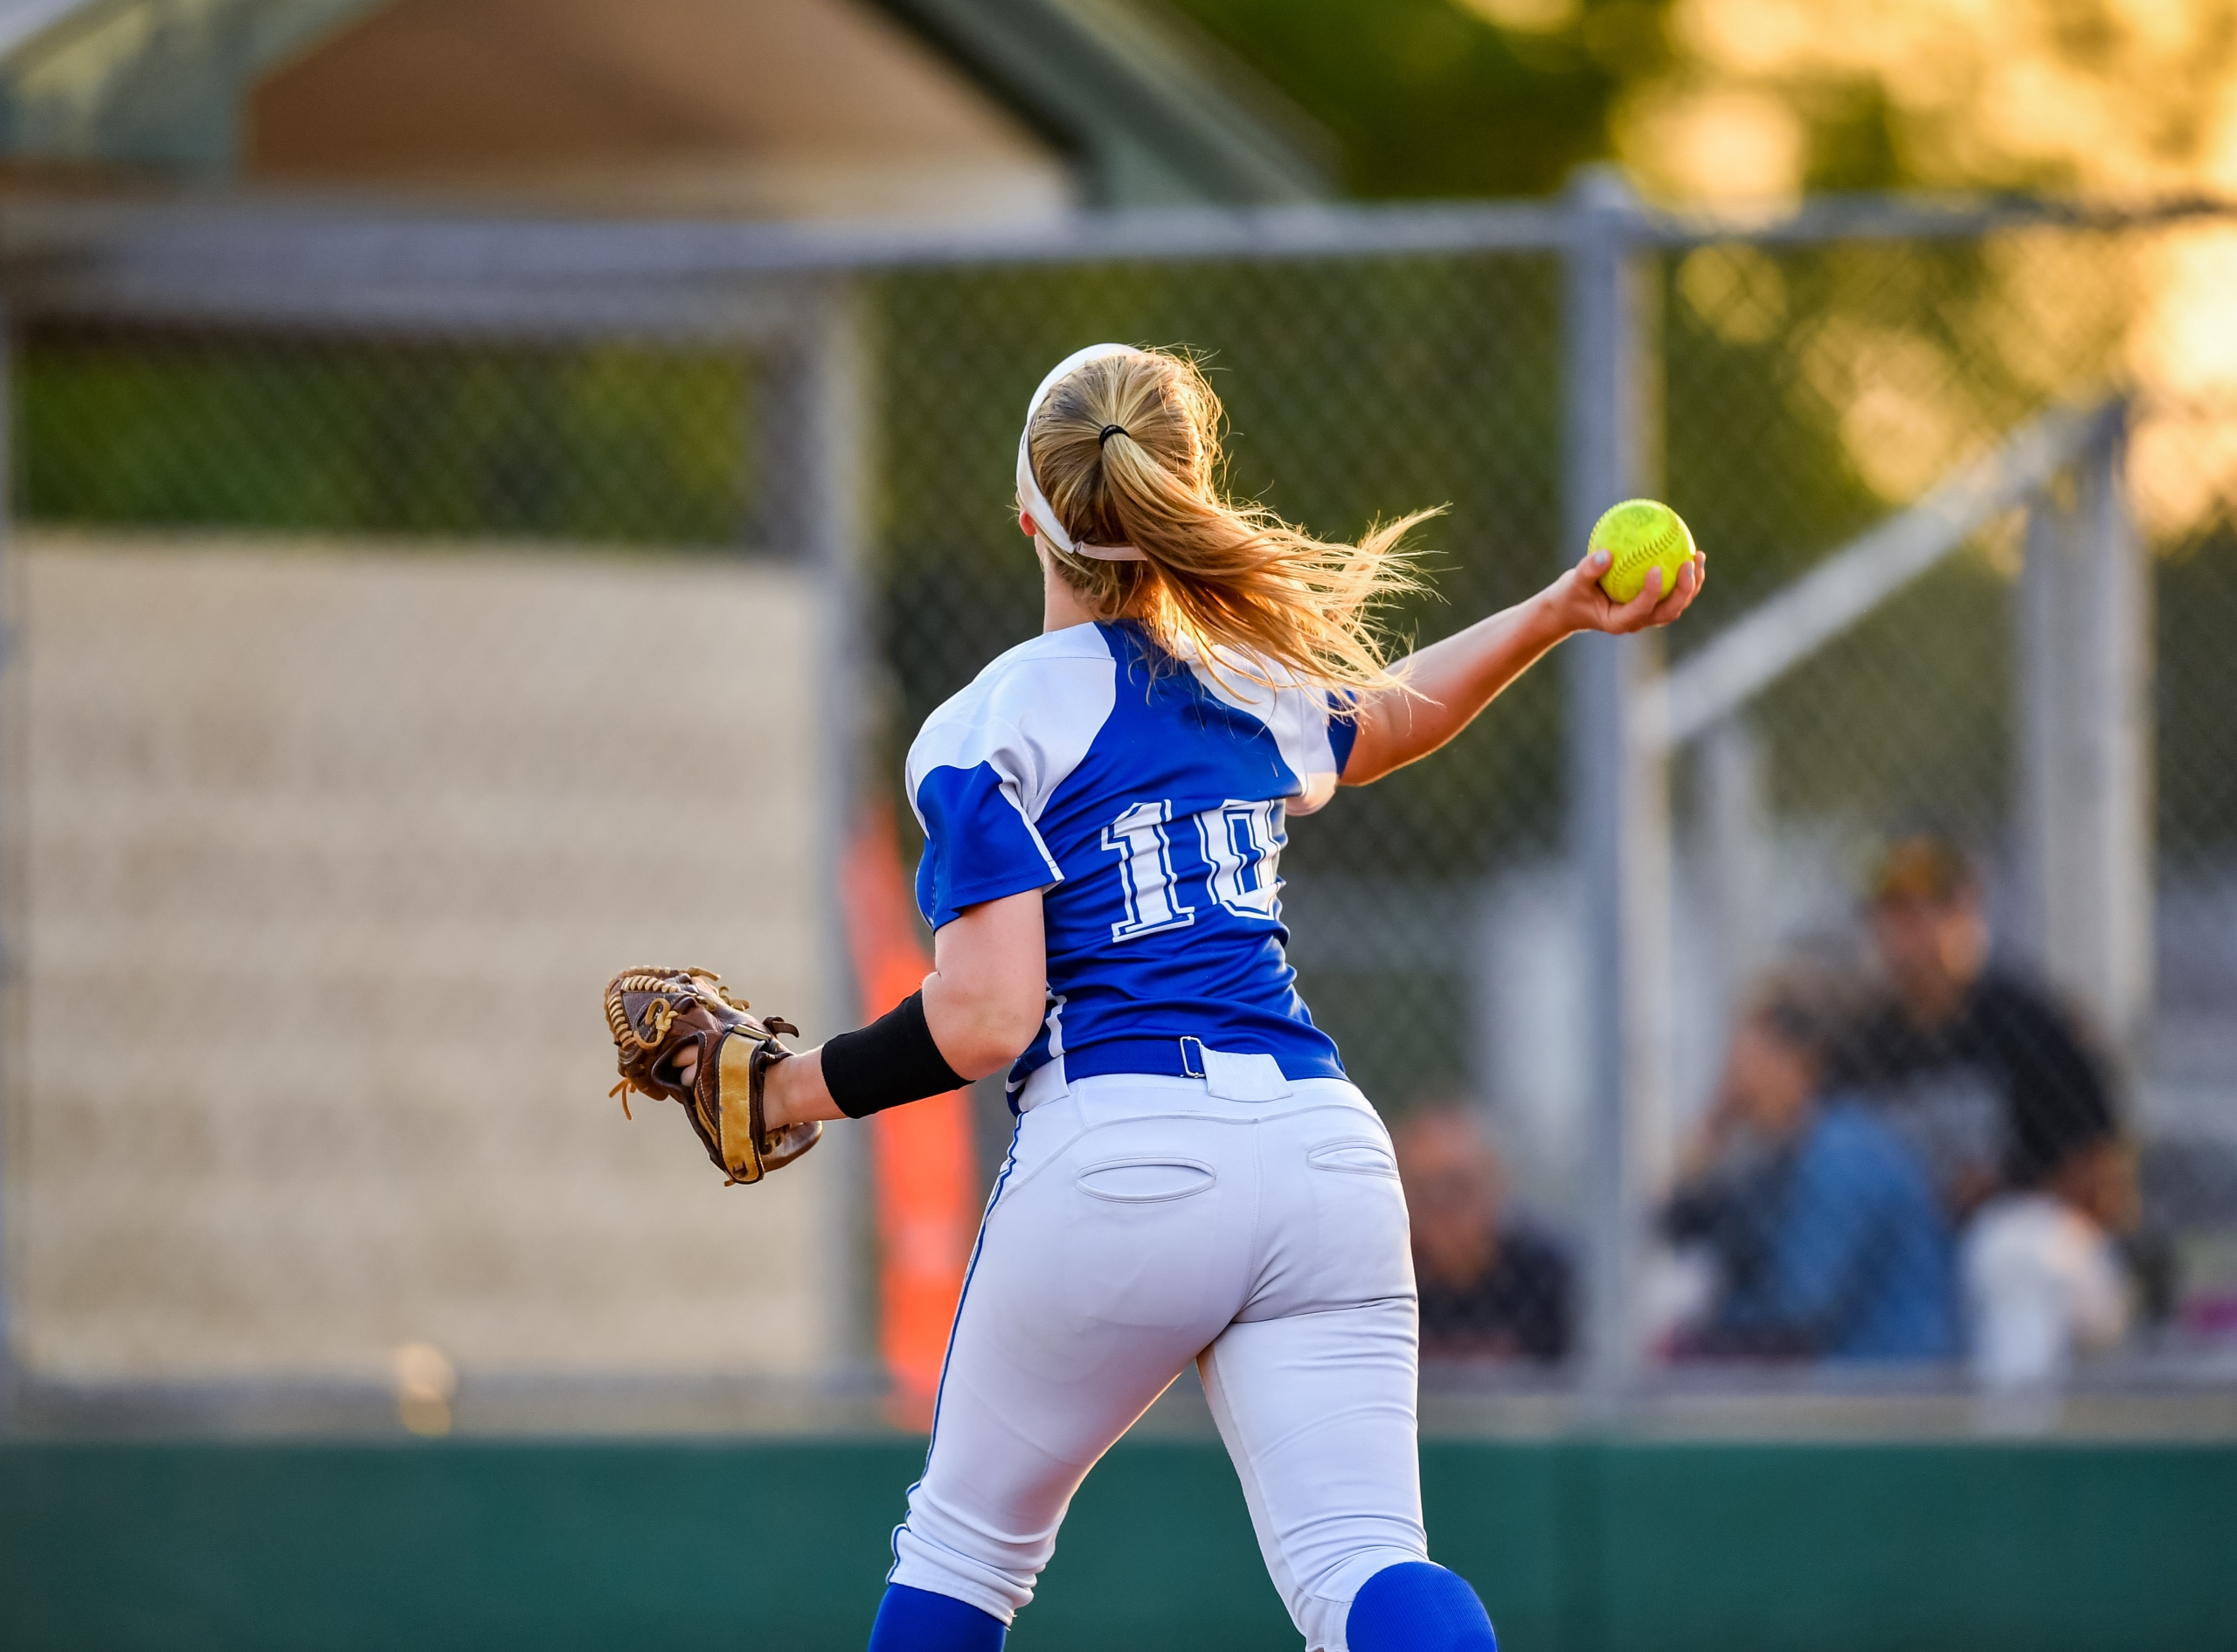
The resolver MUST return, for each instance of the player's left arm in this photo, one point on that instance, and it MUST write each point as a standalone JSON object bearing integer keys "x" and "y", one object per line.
{"x": 1454, "y": 680}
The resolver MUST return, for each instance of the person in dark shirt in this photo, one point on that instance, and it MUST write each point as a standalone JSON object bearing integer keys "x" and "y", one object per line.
{"x": 1826, "y": 1239}
{"x": 1490, "y": 1287}
{"x": 1987, "y": 1078}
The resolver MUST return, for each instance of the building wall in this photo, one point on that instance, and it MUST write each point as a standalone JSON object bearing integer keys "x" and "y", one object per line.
{"x": 782, "y": 108}
{"x": 319, "y": 856}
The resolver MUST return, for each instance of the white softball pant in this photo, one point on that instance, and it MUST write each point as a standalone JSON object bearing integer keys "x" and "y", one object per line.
{"x": 1140, "y": 1223}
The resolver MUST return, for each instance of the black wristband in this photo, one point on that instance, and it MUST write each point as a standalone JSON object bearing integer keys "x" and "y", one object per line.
{"x": 891, "y": 1060}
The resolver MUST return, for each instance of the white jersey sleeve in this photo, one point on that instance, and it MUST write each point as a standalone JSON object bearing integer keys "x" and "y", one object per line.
{"x": 984, "y": 767}
{"x": 1313, "y": 730}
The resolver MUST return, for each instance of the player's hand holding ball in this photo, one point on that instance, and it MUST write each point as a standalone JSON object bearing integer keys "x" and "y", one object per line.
{"x": 1640, "y": 569}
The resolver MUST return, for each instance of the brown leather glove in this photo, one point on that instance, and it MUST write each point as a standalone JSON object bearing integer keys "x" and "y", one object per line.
{"x": 656, "y": 1015}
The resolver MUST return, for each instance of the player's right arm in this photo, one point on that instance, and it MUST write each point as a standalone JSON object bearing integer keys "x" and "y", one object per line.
{"x": 1450, "y": 681}
{"x": 983, "y": 1004}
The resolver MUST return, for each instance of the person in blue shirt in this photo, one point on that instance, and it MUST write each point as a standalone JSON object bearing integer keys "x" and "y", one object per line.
{"x": 1826, "y": 1229}
{"x": 1193, "y": 1177}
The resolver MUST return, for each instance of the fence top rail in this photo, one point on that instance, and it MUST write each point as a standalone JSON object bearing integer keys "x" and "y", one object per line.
{"x": 46, "y": 249}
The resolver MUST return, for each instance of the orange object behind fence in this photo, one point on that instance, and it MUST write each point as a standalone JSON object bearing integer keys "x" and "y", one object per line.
{"x": 921, "y": 1159}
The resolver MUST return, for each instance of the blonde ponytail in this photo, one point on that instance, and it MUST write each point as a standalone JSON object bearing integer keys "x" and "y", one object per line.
{"x": 1126, "y": 451}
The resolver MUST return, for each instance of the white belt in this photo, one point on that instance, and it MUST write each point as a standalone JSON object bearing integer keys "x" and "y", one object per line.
{"x": 1232, "y": 1075}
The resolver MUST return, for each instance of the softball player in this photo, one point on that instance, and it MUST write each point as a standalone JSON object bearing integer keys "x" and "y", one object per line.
{"x": 1192, "y": 1176}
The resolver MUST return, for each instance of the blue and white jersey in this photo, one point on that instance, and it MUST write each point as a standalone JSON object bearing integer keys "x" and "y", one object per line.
{"x": 1146, "y": 796}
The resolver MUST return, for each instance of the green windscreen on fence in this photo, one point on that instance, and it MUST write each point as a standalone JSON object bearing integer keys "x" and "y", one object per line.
{"x": 1575, "y": 1547}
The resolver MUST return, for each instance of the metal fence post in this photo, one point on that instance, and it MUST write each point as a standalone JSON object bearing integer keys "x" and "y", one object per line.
{"x": 11, "y": 984}
{"x": 2116, "y": 612}
{"x": 2084, "y": 613}
{"x": 817, "y": 466}
{"x": 1735, "y": 826}
{"x": 1618, "y": 803}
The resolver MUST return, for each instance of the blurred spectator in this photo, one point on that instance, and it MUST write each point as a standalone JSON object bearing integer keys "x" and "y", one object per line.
{"x": 1490, "y": 1286}
{"x": 1827, "y": 1238}
{"x": 2043, "y": 1280}
{"x": 1984, "y": 1076}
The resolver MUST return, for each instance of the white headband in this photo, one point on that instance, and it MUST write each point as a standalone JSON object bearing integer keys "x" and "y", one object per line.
{"x": 1028, "y": 491}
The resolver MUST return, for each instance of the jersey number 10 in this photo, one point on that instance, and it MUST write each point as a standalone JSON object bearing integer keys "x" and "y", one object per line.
{"x": 1242, "y": 844}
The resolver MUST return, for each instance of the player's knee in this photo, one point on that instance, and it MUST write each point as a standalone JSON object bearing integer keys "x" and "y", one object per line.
{"x": 919, "y": 1621}
{"x": 1416, "y": 1607}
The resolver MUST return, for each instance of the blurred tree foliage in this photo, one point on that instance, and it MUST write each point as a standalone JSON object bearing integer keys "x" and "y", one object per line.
{"x": 606, "y": 444}
{"x": 2126, "y": 97}
{"x": 1433, "y": 98}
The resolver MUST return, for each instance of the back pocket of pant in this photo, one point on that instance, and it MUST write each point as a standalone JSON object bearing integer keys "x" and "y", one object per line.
{"x": 1357, "y": 1156}
{"x": 1145, "y": 1181}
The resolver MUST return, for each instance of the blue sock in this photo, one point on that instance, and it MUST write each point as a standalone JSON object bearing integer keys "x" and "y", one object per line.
{"x": 1415, "y": 1606}
{"x": 918, "y": 1621}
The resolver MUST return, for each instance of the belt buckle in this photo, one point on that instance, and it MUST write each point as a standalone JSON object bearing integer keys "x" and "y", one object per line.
{"x": 1197, "y": 1070}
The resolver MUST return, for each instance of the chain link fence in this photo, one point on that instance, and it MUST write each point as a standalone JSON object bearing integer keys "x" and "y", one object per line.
{"x": 1801, "y": 383}
{"x": 1835, "y": 824}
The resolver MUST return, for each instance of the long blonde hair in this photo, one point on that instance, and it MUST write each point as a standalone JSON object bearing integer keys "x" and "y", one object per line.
{"x": 1231, "y": 582}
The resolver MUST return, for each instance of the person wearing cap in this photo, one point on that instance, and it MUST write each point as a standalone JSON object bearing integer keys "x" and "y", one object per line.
{"x": 1989, "y": 1078}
